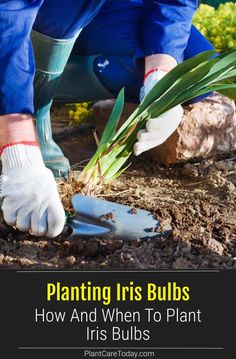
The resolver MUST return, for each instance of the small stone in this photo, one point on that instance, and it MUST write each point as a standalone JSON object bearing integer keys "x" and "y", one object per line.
{"x": 70, "y": 261}
{"x": 181, "y": 263}
{"x": 202, "y": 230}
{"x": 1, "y": 258}
{"x": 216, "y": 246}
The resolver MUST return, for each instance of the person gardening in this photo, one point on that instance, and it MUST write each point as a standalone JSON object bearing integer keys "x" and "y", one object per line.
{"x": 88, "y": 48}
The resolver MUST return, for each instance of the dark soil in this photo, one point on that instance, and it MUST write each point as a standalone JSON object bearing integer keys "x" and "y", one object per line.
{"x": 197, "y": 199}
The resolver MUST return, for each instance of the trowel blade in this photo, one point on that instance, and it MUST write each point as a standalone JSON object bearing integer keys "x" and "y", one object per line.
{"x": 98, "y": 217}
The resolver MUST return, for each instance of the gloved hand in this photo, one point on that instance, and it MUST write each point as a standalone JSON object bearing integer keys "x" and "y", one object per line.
{"x": 30, "y": 198}
{"x": 157, "y": 129}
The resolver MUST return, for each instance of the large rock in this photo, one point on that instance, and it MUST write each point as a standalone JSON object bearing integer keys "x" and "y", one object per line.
{"x": 207, "y": 128}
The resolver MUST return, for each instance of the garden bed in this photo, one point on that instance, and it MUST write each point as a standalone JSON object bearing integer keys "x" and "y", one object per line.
{"x": 197, "y": 199}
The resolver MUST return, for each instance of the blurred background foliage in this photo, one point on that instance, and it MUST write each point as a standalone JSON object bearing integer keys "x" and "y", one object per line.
{"x": 218, "y": 24}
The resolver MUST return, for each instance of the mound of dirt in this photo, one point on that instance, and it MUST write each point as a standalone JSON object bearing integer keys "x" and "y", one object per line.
{"x": 197, "y": 199}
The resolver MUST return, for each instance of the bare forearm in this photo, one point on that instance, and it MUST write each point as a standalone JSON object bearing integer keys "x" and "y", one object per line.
{"x": 16, "y": 128}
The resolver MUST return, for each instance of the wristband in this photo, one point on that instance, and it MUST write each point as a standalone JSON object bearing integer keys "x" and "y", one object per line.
{"x": 27, "y": 143}
{"x": 21, "y": 156}
{"x": 154, "y": 70}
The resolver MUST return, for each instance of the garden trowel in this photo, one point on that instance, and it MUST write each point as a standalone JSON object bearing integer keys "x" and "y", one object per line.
{"x": 98, "y": 217}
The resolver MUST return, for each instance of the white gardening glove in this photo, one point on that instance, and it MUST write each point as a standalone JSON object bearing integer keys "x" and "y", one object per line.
{"x": 157, "y": 129}
{"x": 30, "y": 198}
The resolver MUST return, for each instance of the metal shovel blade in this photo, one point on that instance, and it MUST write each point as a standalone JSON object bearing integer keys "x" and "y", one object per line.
{"x": 98, "y": 217}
